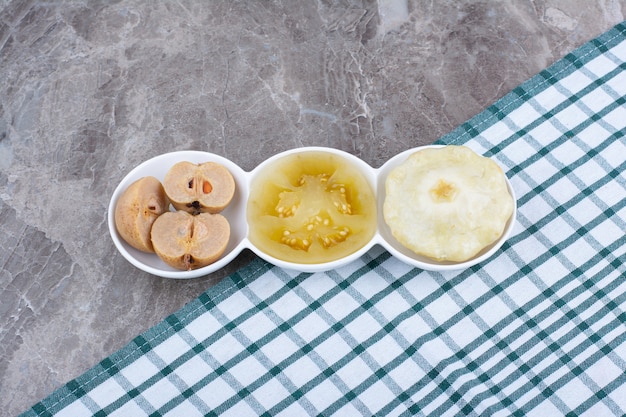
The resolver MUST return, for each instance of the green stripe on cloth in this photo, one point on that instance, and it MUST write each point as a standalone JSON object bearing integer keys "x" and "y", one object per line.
{"x": 536, "y": 330}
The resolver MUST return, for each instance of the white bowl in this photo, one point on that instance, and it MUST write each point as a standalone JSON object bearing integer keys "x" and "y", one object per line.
{"x": 406, "y": 255}
{"x": 357, "y": 164}
{"x": 236, "y": 215}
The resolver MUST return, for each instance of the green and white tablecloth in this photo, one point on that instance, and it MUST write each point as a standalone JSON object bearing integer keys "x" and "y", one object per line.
{"x": 539, "y": 329}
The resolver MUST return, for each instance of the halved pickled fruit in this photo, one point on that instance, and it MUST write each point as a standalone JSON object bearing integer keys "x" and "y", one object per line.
{"x": 186, "y": 242}
{"x": 137, "y": 209}
{"x": 199, "y": 188}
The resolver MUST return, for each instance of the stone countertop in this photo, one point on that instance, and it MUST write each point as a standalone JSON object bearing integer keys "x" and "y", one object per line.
{"x": 90, "y": 89}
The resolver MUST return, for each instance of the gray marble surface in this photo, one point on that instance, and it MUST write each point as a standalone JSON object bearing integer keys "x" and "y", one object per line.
{"x": 90, "y": 89}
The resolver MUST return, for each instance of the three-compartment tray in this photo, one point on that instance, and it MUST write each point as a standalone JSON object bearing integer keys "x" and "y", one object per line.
{"x": 237, "y": 216}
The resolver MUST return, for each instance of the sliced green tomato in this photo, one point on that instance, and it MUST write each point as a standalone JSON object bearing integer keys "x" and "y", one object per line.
{"x": 312, "y": 207}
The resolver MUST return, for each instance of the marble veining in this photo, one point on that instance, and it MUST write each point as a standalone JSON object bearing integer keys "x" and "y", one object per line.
{"x": 90, "y": 89}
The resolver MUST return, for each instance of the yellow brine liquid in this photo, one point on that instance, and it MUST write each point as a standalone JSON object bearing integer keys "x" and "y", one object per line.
{"x": 311, "y": 207}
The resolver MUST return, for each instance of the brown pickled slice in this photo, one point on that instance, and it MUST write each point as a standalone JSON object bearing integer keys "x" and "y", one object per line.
{"x": 137, "y": 209}
{"x": 186, "y": 242}
{"x": 199, "y": 188}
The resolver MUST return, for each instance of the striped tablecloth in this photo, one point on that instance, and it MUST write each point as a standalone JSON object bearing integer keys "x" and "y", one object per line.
{"x": 537, "y": 330}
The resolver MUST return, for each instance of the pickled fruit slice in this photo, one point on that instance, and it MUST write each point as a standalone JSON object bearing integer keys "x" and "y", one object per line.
{"x": 316, "y": 196}
{"x": 199, "y": 188}
{"x": 186, "y": 242}
{"x": 447, "y": 203}
{"x": 312, "y": 207}
{"x": 137, "y": 209}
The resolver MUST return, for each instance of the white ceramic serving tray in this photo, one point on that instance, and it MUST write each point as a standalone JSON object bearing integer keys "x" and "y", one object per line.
{"x": 236, "y": 215}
